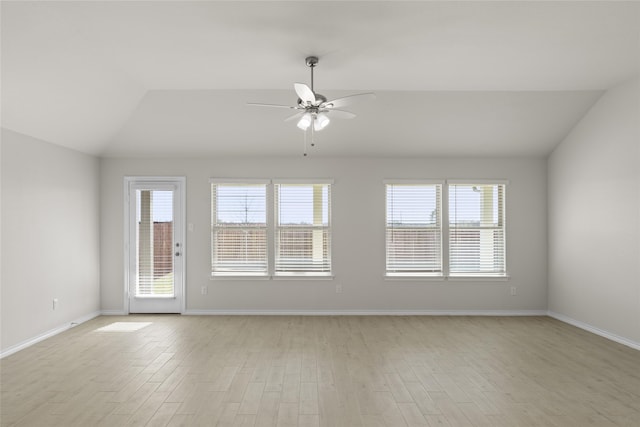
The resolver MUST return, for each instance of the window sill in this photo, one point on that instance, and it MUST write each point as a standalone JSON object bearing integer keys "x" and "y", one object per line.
{"x": 221, "y": 277}
{"x": 302, "y": 277}
{"x": 414, "y": 278}
{"x": 406, "y": 278}
{"x": 155, "y": 297}
{"x": 501, "y": 278}
{"x": 231, "y": 277}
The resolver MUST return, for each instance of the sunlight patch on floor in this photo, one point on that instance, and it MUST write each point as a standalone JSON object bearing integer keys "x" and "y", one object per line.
{"x": 123, "y": 327}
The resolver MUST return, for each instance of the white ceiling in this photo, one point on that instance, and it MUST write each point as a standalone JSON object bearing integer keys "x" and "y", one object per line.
{"x": 173, "y": 78}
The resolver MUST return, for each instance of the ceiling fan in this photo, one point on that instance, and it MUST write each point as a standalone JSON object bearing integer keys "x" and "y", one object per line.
{"x": 314, "y": 111}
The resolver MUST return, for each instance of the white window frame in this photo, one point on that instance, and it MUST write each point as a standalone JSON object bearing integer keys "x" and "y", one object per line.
{"x": 271, "y": 231}
{"x": 238, "y": 273}
{"x": 438, "y": 228}
{"x": 478, "y": 275}
{"x": 445, "y": 233}
{"x": 314, "y": 228}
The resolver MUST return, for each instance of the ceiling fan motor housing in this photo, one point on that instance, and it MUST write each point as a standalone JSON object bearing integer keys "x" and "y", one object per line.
{"x": 320, "y": 99}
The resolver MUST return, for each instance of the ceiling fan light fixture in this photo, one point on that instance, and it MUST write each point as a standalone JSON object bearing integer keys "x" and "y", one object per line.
{"x": 321, "y": 121}
{"x": 305, "y": 121}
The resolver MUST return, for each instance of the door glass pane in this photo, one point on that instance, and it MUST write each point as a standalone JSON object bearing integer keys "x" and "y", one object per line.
{"x": 154, "y": 237}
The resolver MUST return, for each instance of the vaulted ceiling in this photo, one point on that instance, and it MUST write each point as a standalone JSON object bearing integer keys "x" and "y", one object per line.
{"x": 161, "y": 78}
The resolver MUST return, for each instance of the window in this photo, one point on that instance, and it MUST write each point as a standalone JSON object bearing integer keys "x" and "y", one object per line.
{"x": 413, "y": 229}
{"x": 477, "y": 229}
{"x": 242, "y": 228}
{"x": 302, "y": 229}
{"x": 154, "y": 237}
{"x": 239, "y": 228}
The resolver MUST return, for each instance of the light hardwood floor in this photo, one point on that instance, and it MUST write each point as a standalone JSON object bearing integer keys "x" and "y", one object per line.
{"x": 323, "y": 371}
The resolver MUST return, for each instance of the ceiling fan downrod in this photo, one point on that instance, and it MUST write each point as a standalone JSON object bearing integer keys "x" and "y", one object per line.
{"x": 311, "y": 62}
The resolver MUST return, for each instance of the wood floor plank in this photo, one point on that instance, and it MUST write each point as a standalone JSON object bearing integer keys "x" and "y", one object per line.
{"x": 389, "y": 409}
{"x": 181, "y": 420}
{"x": 398, "y": 389}
{"x": 136, "y": 400}
{"x": 422, "y": 399}
{"x": 308, "y": 420}
{"x": 267, "y": 415}
{"x": 412, "y": 415}
{"x": 163, "y": 415}
{"x": 148, "y": 409}
{"x": 228, "y": 415}
{"x": 237, "y": 388}
{"x": 287, "y": 415}
{"x": 244, "y": 420}
{"x": 291, "y": 387}
{"x": 309, "y": 398}
{"x": 452, "y": 413}
{"x": 198, "y": 397}
{"x": 275, "y": 378}
{"x": 251, "y": 399}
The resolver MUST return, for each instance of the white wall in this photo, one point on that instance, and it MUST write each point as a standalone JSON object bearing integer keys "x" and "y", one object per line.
{"x": 594, "y": 217}
{"x": 358, "y": 236}
{"x": 50, "y": 237}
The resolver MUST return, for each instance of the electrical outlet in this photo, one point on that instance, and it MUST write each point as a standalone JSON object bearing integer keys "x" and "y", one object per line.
{"x": 339, "y": 288}
{"x": 514, "y": 291}
{"x": 55, "y": 303}
{"x": 204, "y": 290}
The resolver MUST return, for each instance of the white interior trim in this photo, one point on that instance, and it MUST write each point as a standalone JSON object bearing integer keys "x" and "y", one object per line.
{"x": 601, "y": 332}
{"x": 414, "y": 278}
{"x": 502, "y": 278}
{"x": 302, "y": 181}
{"x": 366, "y": 312}
{"x": 180, "y": 182}
{"x": 48, "y": 334}
{"x": 413, "y": 181}
{"x": 478, "y": 181}
{"x": 239, "y": 181}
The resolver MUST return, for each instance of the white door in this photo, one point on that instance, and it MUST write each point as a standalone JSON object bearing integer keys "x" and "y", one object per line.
{"x": 155, "y": 246}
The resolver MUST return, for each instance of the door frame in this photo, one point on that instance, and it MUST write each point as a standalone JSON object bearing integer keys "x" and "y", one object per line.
{"x": 181, "y": 183}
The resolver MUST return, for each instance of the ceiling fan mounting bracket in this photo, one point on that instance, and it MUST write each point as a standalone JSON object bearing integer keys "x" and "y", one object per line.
{"x": 311, "y": 61}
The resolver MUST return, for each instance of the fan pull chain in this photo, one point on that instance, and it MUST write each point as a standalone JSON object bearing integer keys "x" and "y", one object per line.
{"x": 305, "y": 144}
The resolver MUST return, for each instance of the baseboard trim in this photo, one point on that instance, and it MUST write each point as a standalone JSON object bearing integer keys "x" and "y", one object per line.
{"x": 589, "y": 328}
{"x": 43, "y": 336}
{"x": 365, "y": 313}
{"x": 113, "y": 313}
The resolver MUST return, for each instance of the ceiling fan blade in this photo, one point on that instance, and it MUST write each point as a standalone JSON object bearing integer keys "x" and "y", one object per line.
{"x": 295, "y": 116}
{"x": 305, "y": 93}
{"x": 256, "y": 104}
{"x": 346, "y": 100}
{"x": 340, "y": 114}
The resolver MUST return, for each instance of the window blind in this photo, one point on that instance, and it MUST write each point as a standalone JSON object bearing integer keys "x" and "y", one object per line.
{"x": 302, "y": 229}
{"x": 477, "y": 230}
{"x": 239, "y": 229}
{"x": 413, "y": 229}
{"x": 154, "y": 233}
